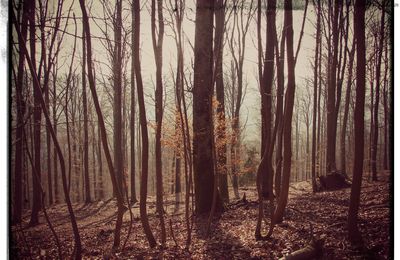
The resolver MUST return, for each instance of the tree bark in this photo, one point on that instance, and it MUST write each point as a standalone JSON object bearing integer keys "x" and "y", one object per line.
{"x": 132, "y": 130}
{"x": 377, "y": 91}
{"x": 85, "y": 124}
{"x": 315, "y": 100}
{"x": 331, "y": 93}
{"x": 280, "y": 59}
{"x": 386, "y": 111}
{"x": 157, "y": 47}
{"x": 117, "y": 77}
{"x": 202, "y": 106}
{"x": 287, "y": 121}
{"x": 21, "y": 108}
{"x": 359, "y": 34}
{"x": 55, "y": 122}
{"x": 37, "y": 118}
{"x": 219, "y": 87}
{"x": 346, "y": 111}
{"x": 266, "y": 97}
{"x": 143, "y": 124}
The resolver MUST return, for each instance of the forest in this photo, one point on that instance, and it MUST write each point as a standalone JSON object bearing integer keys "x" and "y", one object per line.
{"x": 200, "y": 129}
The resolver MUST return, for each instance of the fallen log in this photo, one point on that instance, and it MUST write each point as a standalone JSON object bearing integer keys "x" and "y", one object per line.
{"x": 333, "y": 181}
{"x": 313, "y": 250}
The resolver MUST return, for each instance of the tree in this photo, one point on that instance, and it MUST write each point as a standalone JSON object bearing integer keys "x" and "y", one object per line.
{"x": 178, "y": 15}
{"x": 157, "y": 47}
{"x": 85, "y": 125}
{"x": 314, "y": 126}
{"x": 386, "y": 110}
{"x": 37, "y": 116}
{"x": 237, "y": 44}
{"x": 331, "y": 116}
{"x": 280, "y": 81}
{"x": 203, "y": 161}
{"x": 219, "y": 89}
{"x": 359, "y": 34}
{"x": 119, "y": 196}
{"x": 346, "y": 110}
{"x": 42, "y": 104}
{"x": 117, "y": 106}
{"x": 266, "y": 100}
{"x": 287, "y": 119}
{"x": 264, "y": 180}
{"x": 375, "y": 132}
{"x": 143, "y": 124}
{"x": 133, "y": 113}
{"x": 21, "y": 108}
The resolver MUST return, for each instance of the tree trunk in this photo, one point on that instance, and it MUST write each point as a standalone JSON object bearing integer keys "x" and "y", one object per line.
{"x": 386, "y": 111}
{"x": 85, "y": 125}
{"x": 202, "y": 106}
{"x": 219, "y": 87}
{"x": 266, "y": 97}
{"x": 331, "y": 93}
{"x": 117, "y": 77}
{"x": 157, "y": 47}
{"x": 132, "y": 130}
{"x": 287, "y": 121}
{"x": 315, "y": 100}
{"x": 359, "y": 34}
{"x": 55, "y": 122}
{"x": 21, "y": 108}
{"x": 37, "y": 118}
{"x": 377, "y": 90}
{"x": 100, "y": 162}
{"x": 280, "y": 59}
{"x": 143, "y": 124}
{"x": 343, "y": 154}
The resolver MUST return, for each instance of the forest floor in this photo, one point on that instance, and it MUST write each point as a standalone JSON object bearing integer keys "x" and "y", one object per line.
{"x": 232, "y": 235}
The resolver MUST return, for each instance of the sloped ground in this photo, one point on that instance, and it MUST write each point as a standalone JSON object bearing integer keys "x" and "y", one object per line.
{"x": 232, "y": 234}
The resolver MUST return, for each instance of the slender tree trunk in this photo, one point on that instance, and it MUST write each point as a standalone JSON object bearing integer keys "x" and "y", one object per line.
{"x": 185, "y": 134}
{"x": 319, "y": 149}
{"x": 359, "y": 34}
{"x": 219, "y": 87}
{"x": 287, "y": 121}
{"x": 55, "y": 122}
{"x": 280, "y": 59}
{"x": 377, "y": 91}
{"x": 331, "y": 93}
{"x": 315, "y": 100}
{"x": 117, "y": 77}
{"x": 100, "y": 162}
{"x": 133, "y": 113}
{"x": 143, "y": 124}
{"x": 266, "y": 97}
{"x": 21, "y": 108}
{"x": 85, "y": 124}
{"x": 260, "y": 56}
{"x": 37, "y": 118}
{"x": 343, "y": 154}
{"x": 157, "y": 47}
{"x": 386, "y": 111}
{"x": 95, "y": 180}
